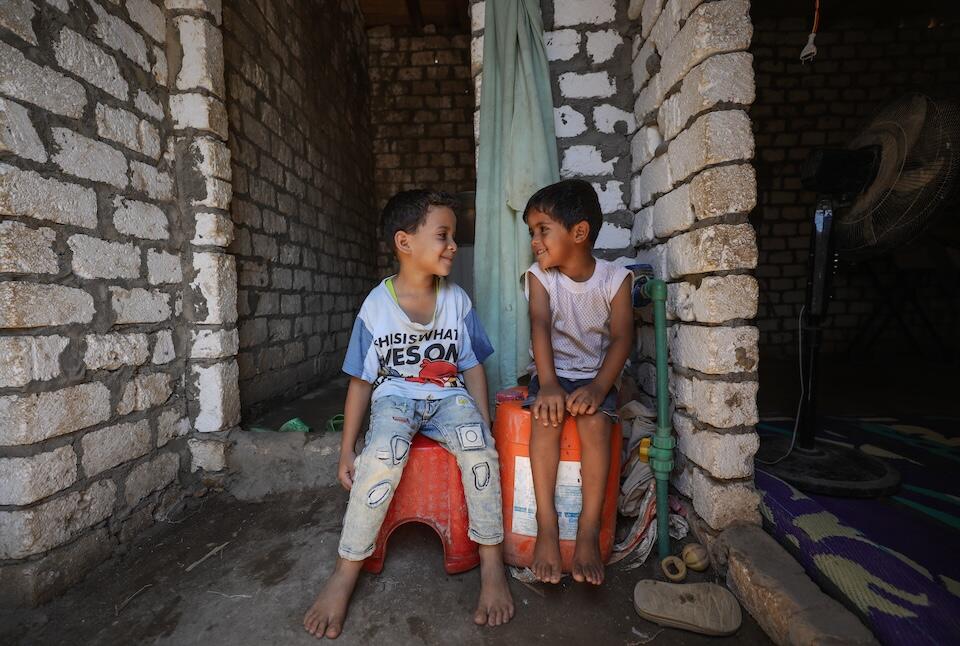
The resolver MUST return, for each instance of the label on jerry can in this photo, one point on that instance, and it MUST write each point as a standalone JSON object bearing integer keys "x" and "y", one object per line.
{"x": 567, "y": 497}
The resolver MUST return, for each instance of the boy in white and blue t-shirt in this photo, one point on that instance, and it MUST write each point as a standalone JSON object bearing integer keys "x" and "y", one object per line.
{"x": 415, "y": 355}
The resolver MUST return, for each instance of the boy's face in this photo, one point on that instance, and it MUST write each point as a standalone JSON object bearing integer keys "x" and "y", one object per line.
{"x": 551, "y": 242}
{"x": 431, "y": 247}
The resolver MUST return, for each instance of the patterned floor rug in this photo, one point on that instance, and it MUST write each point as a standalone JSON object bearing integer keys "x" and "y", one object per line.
{"x": 895, "y": 561}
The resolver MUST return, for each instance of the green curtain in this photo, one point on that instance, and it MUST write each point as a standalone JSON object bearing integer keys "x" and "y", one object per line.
{"x": 517, "y": 154}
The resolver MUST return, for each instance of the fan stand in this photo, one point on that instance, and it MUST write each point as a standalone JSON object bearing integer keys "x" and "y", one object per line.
{"x": 811, "y": 465}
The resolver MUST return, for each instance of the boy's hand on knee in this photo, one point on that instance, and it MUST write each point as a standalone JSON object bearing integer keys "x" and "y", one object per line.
{"x": 585, "y": 400}
{"x": 548, "y": 408}
{"x": 345, "y": 469}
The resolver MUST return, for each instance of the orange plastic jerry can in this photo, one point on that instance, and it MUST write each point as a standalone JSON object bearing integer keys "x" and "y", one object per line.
{"x": 511, "y": 430}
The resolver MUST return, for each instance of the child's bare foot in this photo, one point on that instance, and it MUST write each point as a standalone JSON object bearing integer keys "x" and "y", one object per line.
{"x": 587, "y": 564}
{"x": 495, "y": 606}
{"x": 547, "y": 562}
{"x": 325, "y": 617}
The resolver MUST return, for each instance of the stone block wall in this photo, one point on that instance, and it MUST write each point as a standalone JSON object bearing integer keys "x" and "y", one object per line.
{"x": 693, "y": 187}
{"x": 589, "y": 52}
{"x": 303, "y": 210}
{"x": 668, "y": 145}
{"x": 421, "y": 105}
{"x": 93, "y": 330}
{"x": 860, "y": 65}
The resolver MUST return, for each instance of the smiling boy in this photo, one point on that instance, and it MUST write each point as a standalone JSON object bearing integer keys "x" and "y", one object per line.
{"x": 415, "y": 355}
{"x": 581, "y": 329}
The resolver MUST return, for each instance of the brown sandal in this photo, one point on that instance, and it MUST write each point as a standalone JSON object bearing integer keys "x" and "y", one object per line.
{"x": 705, "y": 608}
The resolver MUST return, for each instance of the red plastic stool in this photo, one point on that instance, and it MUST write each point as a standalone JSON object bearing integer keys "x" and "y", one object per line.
{"x": 430, "y": 492}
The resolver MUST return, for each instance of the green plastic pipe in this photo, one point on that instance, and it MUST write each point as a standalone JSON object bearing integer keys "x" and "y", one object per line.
{"x": 661, "y": 453}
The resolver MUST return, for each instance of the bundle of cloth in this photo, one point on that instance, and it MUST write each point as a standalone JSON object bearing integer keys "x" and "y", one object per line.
{"x": 637, "y": 422}
{"x": 638, "y": 488}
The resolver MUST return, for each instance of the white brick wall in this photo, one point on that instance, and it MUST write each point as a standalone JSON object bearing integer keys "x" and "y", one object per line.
{"x": 719, "y": 502}
{"x": 26, "y": 305}
{"x": 78, "y": 55}
{"x": 145, "y": 392}
{"x": 602, "y": 44}
{"x": 114, "y": 445}
{"x": 562, "y": 44}
{"x": 26, "y": 193}
{"x": 150, "y": 17}
{"x": 209, "y": 455}
{"x": 26, "y": 480}
{"x": 714, "y": 350}
{"x": 580, "y": 161}
{"x": 163, "y": 268}
{"x": 574, "y": 85}
{"x": 171, "y": 425}
{"x": 89, "y": 159}
{"x": 34, "y": 417}
{"x": 139, "y": 305}
{"x": 202, "y": 65}
{"x": 96, "y": 258}
{"x": 580, "y": 12}
{"x": 31, "y": 531}
{"x": 92, "y": 249}
{"x": 214, "y": 8}
{"x": 41, "y": 86}
{"x": 218, "y": 398}
{"x": 15, "y": 16}
{"x": 17, "y": 133}
{"x": 26, "y": 250}
{"x": 128, "y": 130}
{"x": 113, "y": 351}
{"x": 150, "y": 476}
{"x": 29, "y": 358}
{"x": 568, "y": 122}
{"x": 140, "y": 219}
{"x": 163, "y": 349}
{"x": 199, "y": 111}
{"x": 157, "y": 184}
{"x": 214, "y": 344}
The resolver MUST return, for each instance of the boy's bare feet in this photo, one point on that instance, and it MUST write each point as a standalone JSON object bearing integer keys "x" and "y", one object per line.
{"x": 547, "y": 562}
{"x": 325, "y": 617}
{"x": 587, "y": 564}
{"x": 495, "y": 606}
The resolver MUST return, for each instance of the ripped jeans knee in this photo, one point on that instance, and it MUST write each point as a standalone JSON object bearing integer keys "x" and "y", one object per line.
{"x": 377, "y": 473}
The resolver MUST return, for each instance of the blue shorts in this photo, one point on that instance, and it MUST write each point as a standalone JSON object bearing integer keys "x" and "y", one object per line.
{"x": 608, "y": 406}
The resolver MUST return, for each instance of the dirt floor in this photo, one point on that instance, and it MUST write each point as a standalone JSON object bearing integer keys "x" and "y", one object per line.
{"x": 277, "y": 552}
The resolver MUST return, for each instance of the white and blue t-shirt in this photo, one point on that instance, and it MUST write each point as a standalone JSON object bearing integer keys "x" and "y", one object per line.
{"x": 416, "y": 360}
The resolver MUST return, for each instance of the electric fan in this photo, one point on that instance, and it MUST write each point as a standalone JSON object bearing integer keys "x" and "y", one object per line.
{"x": 895, "y": 177}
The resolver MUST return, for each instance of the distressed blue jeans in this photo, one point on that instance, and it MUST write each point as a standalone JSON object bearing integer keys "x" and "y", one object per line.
{"x": 455, "y": 422}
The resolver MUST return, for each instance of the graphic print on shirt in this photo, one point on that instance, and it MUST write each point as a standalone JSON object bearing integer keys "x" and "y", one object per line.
{"x": 415, "y": 360}
{"x": 429, "y": 358}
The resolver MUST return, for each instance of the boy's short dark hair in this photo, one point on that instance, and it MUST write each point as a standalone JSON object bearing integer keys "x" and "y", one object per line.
{"x": 569, "y": 202}
{"x": 407, "y": 210}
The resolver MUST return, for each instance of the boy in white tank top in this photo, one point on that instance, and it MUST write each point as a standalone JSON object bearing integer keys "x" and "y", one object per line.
{"x": 581, "y": 328}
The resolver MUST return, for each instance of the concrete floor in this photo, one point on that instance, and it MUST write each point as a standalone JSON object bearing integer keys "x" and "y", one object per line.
{"x": 279, "y": 551}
